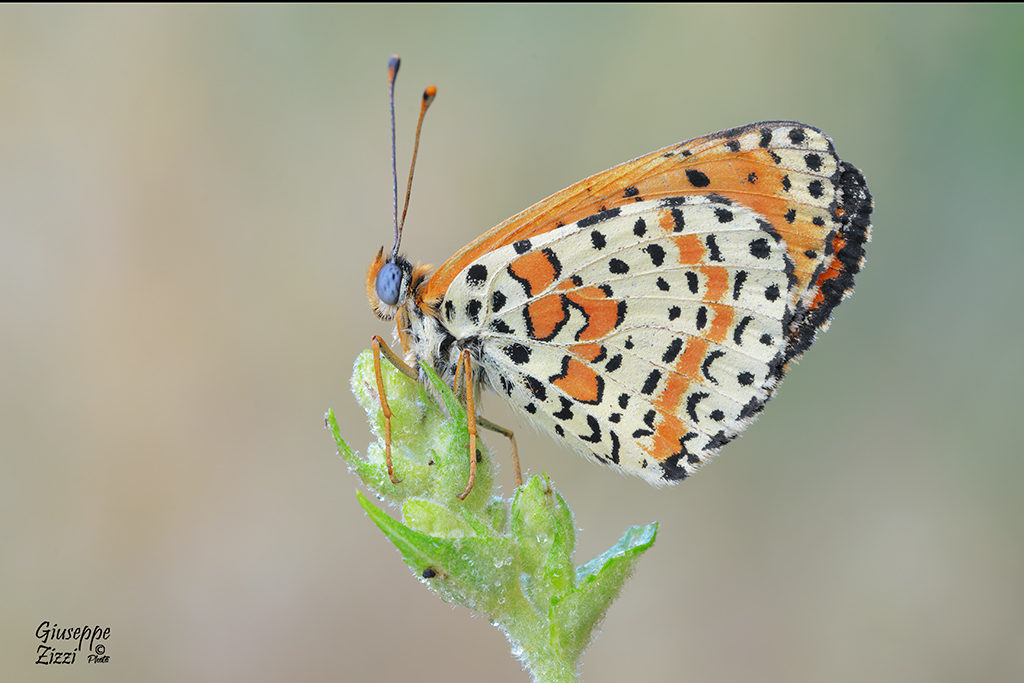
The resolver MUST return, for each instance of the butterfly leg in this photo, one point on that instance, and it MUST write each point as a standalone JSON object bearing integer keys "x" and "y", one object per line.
{"x": 379, "y": 347}
{"x": 464, "y": 382}
{"x": 463, "y": 386}
{"x": 487, "y": 424}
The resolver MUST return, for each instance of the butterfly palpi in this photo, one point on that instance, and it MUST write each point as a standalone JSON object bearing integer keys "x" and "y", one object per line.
{"x": 646, "y": 314}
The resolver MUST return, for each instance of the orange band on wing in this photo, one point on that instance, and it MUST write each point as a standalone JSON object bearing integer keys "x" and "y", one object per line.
{"x": 667, "y": 437}
{"x": 691, "y": 249}
{"x": 718, "y": 282}
{"x": 670, "y": 431}
{"x": 603, "y": 314}
{"x": 545, "y": 316}
{"x": 536, "y": 270}
{"x": 588, "y": 352}
{"x": 579, "y": 381}
{"x": 688, "y": 364}
{"x": 721, "y": 323}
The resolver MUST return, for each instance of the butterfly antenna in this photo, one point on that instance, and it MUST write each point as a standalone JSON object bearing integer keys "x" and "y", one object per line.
{"x": 393, "y": 65}
{"x": 428, "y": 96}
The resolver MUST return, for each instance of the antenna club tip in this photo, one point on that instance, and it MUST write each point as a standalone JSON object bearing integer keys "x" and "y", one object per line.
{"x": 428, "y": 95}
{"x": 393, "y": 65}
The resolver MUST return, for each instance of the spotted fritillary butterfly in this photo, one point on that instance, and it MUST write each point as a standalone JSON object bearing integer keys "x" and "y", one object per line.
{"x": 645, "y": 315}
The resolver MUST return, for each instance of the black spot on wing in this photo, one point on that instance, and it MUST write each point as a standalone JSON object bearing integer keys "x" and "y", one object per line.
{"x": 595, "y": 434}
{"x": 717, "y": 441}
{"x": 671, "y": 468}
{"x": 476, "y": 275}
{"x": 705, "y": 367}
{"x": 473, "y": 310}
{"x": 599, "y": 217}
{"x": 498, "y": 301}
{"x": 712, "y": 244}
{"x": 692, "y": 282}
{"x": 673, "y": 350}
{"x": 566, "y": 412}
{"x": 691, "y": 404}
{"x": 737, "y": 335}
{"x": 536, "y": 387}
{"x": 498, "y": 325}
{"x": 651, "y": 383}
{"x": 737, "y": 284}
{"x": 656, "y": 252}
{"x": 518, "y": 353}
{"x": 697, "y": 179}
{"x": 753, "y": 407}
{"x": 678, "y": 222}
{"x": 760, "y": 248}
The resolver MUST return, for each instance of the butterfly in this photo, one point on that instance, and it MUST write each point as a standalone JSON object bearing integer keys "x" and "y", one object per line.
{"x": 645, "y": 315}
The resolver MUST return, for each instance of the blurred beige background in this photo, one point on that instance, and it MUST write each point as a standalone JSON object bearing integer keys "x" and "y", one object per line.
{"x": 189, "y": 197}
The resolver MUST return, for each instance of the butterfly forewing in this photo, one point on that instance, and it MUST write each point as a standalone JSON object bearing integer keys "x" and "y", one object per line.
{"x": 784, "y": 171}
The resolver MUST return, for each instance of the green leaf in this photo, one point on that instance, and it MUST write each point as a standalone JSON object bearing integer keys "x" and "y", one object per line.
{"x": 508, "y": 560}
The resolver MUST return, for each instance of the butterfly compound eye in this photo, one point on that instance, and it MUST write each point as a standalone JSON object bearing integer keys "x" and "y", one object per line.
{"x": 389, "y": 283}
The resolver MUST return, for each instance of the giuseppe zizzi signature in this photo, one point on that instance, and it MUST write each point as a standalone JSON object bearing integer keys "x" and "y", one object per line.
{"x": 59, "y": 645}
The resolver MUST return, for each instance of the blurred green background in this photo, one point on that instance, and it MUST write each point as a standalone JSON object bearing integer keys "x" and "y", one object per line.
{"x": 189, "y": 197}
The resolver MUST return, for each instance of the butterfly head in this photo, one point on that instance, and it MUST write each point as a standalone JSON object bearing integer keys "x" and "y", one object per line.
{"x": 391, "y": 279}
{"x": 388, "y": 283}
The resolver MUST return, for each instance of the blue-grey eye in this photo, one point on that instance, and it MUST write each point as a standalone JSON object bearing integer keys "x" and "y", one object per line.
{"x": 389, "y": 283}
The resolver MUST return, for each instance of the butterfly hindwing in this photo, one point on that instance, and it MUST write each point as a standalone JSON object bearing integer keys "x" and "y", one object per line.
{"x": 646, "y": 336}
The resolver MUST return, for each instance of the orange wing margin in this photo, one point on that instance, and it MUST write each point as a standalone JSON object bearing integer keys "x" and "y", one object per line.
{"x": 705, "y": 165}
